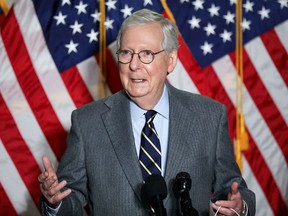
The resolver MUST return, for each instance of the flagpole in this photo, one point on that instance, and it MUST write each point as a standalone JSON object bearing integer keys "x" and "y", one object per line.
{"x": 242, "y": 141}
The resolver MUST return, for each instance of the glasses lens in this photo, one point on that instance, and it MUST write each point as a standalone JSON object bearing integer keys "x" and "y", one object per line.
{"x": 124, "y": 56}
{"x": 146, "y": 56}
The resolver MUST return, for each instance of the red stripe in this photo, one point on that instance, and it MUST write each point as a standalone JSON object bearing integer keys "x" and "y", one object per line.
{"x": 31, "y": 86}
{"x": 19, "y": 151}
{"x": 209, "y": 76}
{"x": 113, "y": 78}
{"x": 265, "y": 179}
{"x": 76, "y": 87}
{"x": 193, "y": 69}
{"x": 6, "y": 207}
{"x": 265, "y": 104}
{"x": 257, "y": 163}
{"x": 112, "y": 75}
{"x": 277, "y": 53}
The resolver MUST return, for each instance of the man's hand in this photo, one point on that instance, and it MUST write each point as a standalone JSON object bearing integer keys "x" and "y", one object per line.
{"x": 49, "y": 185}
{"x": 234, "y": 202}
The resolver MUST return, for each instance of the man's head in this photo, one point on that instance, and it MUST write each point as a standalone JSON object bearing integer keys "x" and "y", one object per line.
{"x": 147, "y": 51}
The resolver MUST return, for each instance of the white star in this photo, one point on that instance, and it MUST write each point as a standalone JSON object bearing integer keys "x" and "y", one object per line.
{"x": 65, "y": 2}
{"x": 126, "y": 11}
{"x": 92, "y": 36}
{"x": 213, "y": 10}
{"x": 108, "y": 23}
{"x": 198, "y": 4}
{"x": 111, "y": 4}
{"x": 283, "y": 3}
{"x": 210, "y": 29}
{"x": 76, "y": 27}
{"x": 182, "y": 1}
{"x": 264, "y": 13}
{"x": 81, "y": 8}
{"x": 71, "y": 47}
{"x": 207, "y": 48}
{"x": 226, "y": 36}
{"x": 248, "y": 6}
{"x": 233, "y": 2}
{"x": 194, "y": 22}
{"x": 246, "y": 24}
{"x": 146, "y": 2}
{"x": 96, "y": 16}
{"x": 229, "y": 17}
{"x": 60, "y": 18}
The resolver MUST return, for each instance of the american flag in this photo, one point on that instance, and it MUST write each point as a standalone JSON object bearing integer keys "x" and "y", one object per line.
{"x": 49, "y": 67}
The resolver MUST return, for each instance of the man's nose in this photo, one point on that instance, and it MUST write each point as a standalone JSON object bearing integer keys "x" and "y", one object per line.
{"x": 135, "y": 62}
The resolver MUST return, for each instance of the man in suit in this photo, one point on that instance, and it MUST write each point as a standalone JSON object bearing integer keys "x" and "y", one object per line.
{"x": 101, "y": 164}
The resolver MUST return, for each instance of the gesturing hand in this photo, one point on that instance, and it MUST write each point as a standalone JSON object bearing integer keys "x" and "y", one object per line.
{"x": 234, "y": 202}
{"x": 49, "y": 185}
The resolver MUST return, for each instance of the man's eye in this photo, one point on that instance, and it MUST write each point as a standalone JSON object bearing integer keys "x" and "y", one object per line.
{"x": 125, "y": 52}
{"x": 147, "y": 52}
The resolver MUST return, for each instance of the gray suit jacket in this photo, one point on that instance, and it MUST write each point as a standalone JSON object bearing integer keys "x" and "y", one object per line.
{"x": 102, "y": 168}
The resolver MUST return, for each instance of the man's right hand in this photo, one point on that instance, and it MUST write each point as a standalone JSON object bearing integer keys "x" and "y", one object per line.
{"x": 49, "y": 185}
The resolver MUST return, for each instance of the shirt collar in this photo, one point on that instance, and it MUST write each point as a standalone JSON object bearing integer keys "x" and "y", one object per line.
{"x": 162, "y": 107}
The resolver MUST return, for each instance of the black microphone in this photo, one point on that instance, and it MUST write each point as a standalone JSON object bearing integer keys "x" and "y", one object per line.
{"x": 153, "y": 192}
{"x": 181, "y": 188}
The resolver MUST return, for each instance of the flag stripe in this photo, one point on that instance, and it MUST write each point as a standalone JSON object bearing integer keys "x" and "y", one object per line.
{"x": 214, "y": 80}
{"x": 282, "y": 32}
{"x": 43, "y": 63}
{"x": 21, "y": 112}
{"x": 89, "y": 71}
{"x": 13, "y": 184}
{"x": 180, "y": 79}
{"x": 76, "y": 87}
{"x": 192, "y": 68}
{"x": 269, "y": 75}
{"x": 256, "y": 126}
{"x": 252, "y": 182}
{"x": 26, "y": 164}
{"x": 46, "y": 117}
{"x": 7, "y": 207}
{"x": 277, "y": 53}
{"x": 265, "y": 104}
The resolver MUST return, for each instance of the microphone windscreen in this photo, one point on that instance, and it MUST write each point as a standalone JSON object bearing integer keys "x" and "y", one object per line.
{"x": 154, "y": 186}
{"x": 182, "y": 183}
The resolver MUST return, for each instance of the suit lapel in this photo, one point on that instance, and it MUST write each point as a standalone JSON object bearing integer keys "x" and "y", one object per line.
{"x": 178, "y": 145}
{"x": 119, "y": 128}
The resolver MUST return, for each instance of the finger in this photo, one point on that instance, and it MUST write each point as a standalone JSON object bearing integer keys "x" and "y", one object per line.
{"x": 234, "y": 188}
{"x": 60, "y": 196}
{"x": 47, "y": 165}
{"x": 57, "y": 188}
{"x": 48, "y": 183}
{"x": 42, "y": 177}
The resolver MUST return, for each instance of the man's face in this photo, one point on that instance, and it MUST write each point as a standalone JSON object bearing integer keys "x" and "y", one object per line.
{"x": 144, "y": 82}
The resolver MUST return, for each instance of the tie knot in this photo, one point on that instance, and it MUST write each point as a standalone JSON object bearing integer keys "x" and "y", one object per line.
{"x": 149, "y": 115}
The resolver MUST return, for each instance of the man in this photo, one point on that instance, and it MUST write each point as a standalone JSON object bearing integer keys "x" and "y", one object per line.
{"x": 101, "y": 165}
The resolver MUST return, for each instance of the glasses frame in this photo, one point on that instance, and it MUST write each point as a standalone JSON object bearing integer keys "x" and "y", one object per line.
{"x": 133, "y": 53}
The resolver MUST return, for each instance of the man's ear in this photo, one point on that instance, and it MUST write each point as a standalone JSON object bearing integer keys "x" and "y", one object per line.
{"x": 173, "y": 56}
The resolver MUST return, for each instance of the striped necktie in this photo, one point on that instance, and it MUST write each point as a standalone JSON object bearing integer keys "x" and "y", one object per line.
{"x": 150, "y": 151}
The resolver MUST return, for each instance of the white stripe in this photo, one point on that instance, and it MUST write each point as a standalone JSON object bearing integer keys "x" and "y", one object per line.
{"x": 179, "y": 78}
{"x": 269, "y": 75}
{"x": 14, "y": 187}
{"x": 89, "y": 71}
{"x": 262, "y": 205}
{"x": 43, "y": 63}
{"x": 257, "y": 127}
{"x": 282, "y": 32}
{"x": 21, "y": 111}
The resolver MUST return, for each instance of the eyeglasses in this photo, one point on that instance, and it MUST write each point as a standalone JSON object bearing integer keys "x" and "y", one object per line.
{"x": 145, "y": 56}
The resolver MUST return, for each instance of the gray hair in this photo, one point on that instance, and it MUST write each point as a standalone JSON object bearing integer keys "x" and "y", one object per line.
{"x": 170, "y": 30}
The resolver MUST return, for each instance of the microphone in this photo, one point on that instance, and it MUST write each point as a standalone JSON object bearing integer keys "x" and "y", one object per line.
{"x": 153, "y": 192}
{"x": 181, "y": 188}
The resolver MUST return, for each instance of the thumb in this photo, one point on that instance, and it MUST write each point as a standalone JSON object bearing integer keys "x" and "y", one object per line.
{"x": 47, "y": 165}
{"x": 234, "y": 187}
